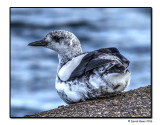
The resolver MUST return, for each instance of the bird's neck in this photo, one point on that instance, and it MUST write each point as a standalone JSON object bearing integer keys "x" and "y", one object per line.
{"x": 65, "y": 57}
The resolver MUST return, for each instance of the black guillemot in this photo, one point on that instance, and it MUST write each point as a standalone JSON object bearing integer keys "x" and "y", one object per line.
{"x": 85, "y": 75}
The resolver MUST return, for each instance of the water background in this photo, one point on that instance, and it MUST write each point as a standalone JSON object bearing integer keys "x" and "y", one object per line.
{"x": 33, "y": 69}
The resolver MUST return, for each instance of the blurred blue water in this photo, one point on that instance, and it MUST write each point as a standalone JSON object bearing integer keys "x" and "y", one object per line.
{"x": 33, "y": 69}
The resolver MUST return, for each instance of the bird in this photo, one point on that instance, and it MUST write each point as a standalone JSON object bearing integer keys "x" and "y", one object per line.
{"x": 83, "y": 76}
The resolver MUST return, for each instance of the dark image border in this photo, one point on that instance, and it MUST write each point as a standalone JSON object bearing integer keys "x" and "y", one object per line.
{"x": 151, "y": 69}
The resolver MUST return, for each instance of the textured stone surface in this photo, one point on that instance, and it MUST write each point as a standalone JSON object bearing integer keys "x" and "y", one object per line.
{"x": 134, "y": 103}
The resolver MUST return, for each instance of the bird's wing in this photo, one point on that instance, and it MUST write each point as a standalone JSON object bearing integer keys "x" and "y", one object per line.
{"x": 80, "y": 69}
{"x": 91, "y": 61}
{"x": 109, "y": 50}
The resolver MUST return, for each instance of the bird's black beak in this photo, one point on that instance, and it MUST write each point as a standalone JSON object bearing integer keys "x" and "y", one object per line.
{"x": 38, "y": 43}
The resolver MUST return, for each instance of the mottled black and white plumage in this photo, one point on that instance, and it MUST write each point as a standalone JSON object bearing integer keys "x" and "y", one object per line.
{"x": 82, "y": 76}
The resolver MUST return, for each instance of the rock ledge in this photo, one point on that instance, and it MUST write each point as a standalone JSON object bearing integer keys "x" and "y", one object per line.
{"x": 134, "y": 103}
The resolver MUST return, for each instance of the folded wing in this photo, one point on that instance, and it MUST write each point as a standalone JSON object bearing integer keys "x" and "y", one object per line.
{"x": 110, "y": 58}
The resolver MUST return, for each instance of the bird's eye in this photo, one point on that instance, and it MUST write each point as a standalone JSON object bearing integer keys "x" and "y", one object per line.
{"x": 57, "y": 38}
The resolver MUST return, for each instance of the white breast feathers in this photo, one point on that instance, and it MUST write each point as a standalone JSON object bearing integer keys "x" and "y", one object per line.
{"x": 66, "y": 70}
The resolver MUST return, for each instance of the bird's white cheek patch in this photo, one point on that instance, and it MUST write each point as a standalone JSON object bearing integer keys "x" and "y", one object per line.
{"x": 66, "y": 71}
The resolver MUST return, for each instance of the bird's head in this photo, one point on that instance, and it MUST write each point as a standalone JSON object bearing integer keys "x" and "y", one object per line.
{"x": 61, "y": 41}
